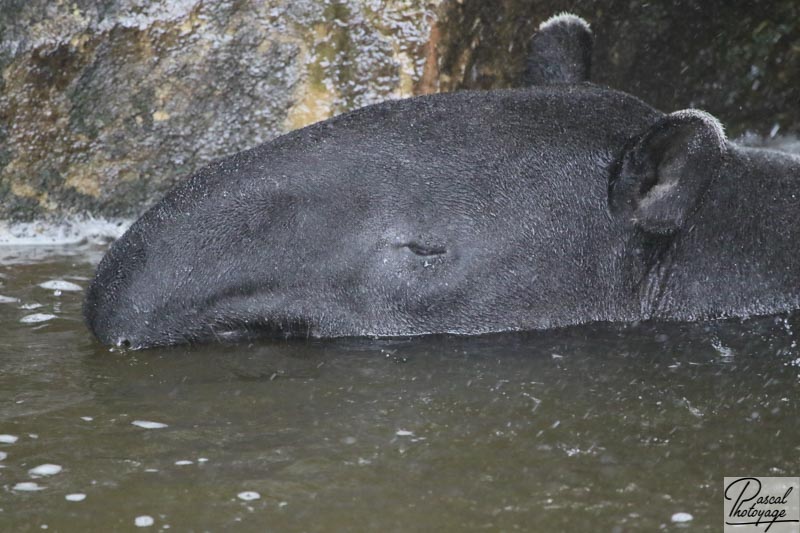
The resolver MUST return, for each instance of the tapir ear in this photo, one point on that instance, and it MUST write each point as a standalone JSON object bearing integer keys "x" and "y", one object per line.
{"x": 560, "y": 52}
{"x": 662, "y": 174}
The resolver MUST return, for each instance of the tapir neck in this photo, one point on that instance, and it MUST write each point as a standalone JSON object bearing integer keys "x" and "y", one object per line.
{"x": 737, "y": 256}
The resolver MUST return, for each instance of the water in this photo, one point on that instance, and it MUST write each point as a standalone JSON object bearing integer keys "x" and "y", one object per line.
{"x": 601, "y": 428}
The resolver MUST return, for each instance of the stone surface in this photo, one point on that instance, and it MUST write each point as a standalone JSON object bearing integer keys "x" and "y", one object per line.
{"x": 105, "y": 104}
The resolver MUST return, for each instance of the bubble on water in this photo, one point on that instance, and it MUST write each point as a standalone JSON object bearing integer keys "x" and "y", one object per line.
{"x": 8, "y": 300}
{"x": 75, "y": 497}
{"x": 87, "y": 418}
{"x": 248, "y": 495}
{"x": 404, "y": 433}
{"x": 46, "y": 469}
{"x": 144, "y": 521}
{"x": 8, "y": 439}
{"x": 692, "y": 409}
{"x": 202, "y": 460}
{"x": 680, "y": 518}
{"x": 151, "y": 470}
{"x": 283, "y": 504}
{"x": 184, "y": 462}
{"x": 27, "y": 486}
{"x": 61, "y": 285}
{"x": 36, "y": 318}
{"x": 147, "y": 424}
{"x": 721, "y": 349}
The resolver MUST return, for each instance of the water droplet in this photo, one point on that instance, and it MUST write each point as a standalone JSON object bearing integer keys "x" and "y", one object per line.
{"x": 147, "y": 424}
{"x": 46, "y": 469}
{"x": 36, "y": 318}
{"x": 144, "y": 521}
{"x": 28, "y": 486}
{"x": 60, "y": 285}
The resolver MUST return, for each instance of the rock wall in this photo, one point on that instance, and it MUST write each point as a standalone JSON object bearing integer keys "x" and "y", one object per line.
{"x": 105, "y": 104}
{"x": 738, "y": 59}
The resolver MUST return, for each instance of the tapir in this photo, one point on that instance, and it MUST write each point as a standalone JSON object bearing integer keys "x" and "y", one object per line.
{"x": 555, "y": 204}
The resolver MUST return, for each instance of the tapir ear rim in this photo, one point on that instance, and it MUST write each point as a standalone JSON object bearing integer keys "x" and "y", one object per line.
{"x": 662, "y": 174}
{"x": 565, "y": 17}
{"x": 715, "y": 126}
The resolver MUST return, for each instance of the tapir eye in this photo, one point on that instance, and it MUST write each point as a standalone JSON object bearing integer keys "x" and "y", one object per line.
{"x": 425, "y": 249}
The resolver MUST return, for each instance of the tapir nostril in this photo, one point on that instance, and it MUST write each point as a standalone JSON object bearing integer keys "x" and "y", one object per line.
{"x": 123, "y": 343}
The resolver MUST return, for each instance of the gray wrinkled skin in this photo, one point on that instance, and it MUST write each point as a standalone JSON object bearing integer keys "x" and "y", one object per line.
{"x": 462, "y": 213}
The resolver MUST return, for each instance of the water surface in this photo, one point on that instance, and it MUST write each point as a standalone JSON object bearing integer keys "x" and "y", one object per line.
{"x": 600, "y": 428}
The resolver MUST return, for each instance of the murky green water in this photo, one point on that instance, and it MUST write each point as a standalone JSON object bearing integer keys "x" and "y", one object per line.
{"x": 586, "y": 429}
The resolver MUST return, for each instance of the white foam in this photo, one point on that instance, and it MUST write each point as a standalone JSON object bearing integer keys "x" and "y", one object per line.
{"x": 36, "y": 318}
{"x": 184, "y": 463}
{"x": 60, "y": 285}
{"x": 248, "y": 495}
{"x": 784, "y": 143}
{"x": 404, "y": 433}
{"x": 8, "y": 300}
{"x": 3, "y": 456}
{"x": 147, "y": 424}
{"x": 8, "y": 439}
{"x": 73, "y": 230}
{"x": 75, "y": 497}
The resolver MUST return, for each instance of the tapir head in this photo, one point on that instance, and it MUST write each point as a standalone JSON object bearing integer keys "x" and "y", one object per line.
{"x": 660, "y": 218}
{"x": 465, "y": 213}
